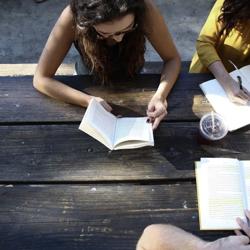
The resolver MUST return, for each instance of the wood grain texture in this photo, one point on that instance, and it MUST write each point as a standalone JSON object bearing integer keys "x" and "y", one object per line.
{"x": 61, "y": 189}
{"x": 64, "y": 153}
{"x": 92, "y": 217}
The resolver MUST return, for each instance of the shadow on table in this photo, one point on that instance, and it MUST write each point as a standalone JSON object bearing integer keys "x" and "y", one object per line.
{"x": 181, "y": 145}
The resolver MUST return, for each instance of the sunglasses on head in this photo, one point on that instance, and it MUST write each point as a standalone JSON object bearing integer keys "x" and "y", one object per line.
{"x": 119, "y": 33}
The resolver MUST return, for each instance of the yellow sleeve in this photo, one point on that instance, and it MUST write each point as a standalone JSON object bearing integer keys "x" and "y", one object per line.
{"x": 209, "y": 36}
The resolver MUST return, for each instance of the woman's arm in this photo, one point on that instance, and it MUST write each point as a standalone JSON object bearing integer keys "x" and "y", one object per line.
{"x": 232, "y": 88}
{"x": 209, "y": 57}
{"x": 209, "y": 36}
{"x": 160, "y": 38}
{"x": 168, "y": 237}
{"x": 56, "y": 48}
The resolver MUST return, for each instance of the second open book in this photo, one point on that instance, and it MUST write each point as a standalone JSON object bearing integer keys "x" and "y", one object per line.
{"x": 236, "y": 115}
{"x": 223, "y": 187}
{"x": 116, "y": 133}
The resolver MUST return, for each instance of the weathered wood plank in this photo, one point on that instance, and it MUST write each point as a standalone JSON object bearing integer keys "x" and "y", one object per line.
{"x": 63, "y": 153}
{"x": 20, "y": 102}
{"x": 92, "y": 217}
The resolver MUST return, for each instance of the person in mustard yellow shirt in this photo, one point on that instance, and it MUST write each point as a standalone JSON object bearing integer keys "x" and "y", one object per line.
{"x": 225, "y": 36}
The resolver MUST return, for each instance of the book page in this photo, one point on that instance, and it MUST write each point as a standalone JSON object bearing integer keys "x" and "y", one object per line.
{"x": 246, "y": 173}
{"x": 219, "y": 193}
{"x": 99, "y": 123}
{"x": 85, "y": 127}
{"x": 133, "y": 131}
{"x": 236, "y": 115}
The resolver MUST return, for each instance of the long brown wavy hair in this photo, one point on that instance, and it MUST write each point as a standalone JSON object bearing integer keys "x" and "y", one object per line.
{"x": 234, "y": 14}
{"x": 96, "y": 54}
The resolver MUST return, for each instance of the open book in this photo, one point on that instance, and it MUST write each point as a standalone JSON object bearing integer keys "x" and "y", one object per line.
{"x": 236, "y": 115}
{"x": 223, "y": 188}
{"x": 116, "y": 133}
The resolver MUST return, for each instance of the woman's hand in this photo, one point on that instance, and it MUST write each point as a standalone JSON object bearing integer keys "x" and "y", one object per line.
{"x": 244, "y": 225}
{"x": 231, "y": 87}
{"x": 157, "y": 110}
{"x": 239, "y": 242}
{"x": 102, "y": 102}
{"x": 235, "y": 93}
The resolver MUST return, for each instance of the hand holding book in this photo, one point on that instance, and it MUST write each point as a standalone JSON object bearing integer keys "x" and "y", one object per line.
{"x": 244, "y": 225}
{"x": 116, "y": 133}
{"x": 157, "y": 110}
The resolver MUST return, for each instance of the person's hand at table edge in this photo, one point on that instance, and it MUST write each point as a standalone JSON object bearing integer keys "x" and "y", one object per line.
{"x": 157, "y": 110}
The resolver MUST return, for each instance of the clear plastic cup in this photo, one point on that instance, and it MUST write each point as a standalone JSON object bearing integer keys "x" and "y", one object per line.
{"x": 213, "y": 127}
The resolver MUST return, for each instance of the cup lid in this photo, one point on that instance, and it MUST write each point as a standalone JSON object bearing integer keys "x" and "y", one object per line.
{"x": 213, "y": 126}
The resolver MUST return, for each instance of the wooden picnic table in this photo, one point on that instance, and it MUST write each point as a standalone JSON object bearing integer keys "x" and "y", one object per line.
{"x": 61, "y": 189}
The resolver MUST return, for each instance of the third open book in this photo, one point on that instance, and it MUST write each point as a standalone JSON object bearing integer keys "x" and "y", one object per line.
{"x": 223, "y": 186}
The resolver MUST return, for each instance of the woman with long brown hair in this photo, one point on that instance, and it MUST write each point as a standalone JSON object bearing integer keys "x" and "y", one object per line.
{"x": 110, "y": 37}
{"x": 225, "y": 38}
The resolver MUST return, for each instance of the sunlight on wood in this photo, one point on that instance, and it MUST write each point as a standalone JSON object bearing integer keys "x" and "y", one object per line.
{"x": 29, "y": 69}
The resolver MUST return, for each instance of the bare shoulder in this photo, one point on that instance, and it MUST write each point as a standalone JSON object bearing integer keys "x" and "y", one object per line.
{"x": 151, "y": 8}
{"x": 65, "y": 26}
{"x": 153, "y": 17}
{"x": 157, "y": 32}
{"x": 66, "y": 17}
{"x": 150, "y": 4}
